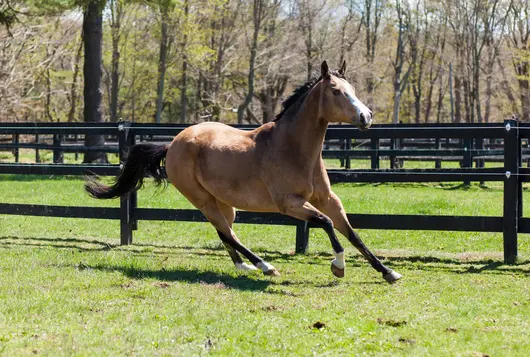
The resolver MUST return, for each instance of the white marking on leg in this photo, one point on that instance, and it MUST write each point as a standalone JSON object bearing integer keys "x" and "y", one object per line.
{"x": 264, "y": 266}
{"x": 338, "y": 262}
{"x": 245, "y": 266}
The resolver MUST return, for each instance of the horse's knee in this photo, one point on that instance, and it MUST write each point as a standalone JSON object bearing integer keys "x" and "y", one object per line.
{"x": 322, "y": 221}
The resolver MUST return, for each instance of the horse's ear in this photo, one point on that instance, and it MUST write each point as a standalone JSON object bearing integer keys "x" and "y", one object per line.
{"x": 342, "y": 69}
{"x": 325, "y": 70}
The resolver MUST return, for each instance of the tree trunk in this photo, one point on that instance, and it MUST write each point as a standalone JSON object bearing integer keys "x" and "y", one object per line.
{"x": 523, "y": 75}
{"x": 47, "y": 105}
{"x": 309, "y": 52}
{"x": 183, "y": 88}
{"x": 133, "y": 94}
{"x": 428, "y": 106}
{"x": 257, "y": 17}
{"x": 525, "y": 99}
{"x": 467, "y": 106}
{"x": 476, "y": 85}
{"x": 440, "y": 101}
{"x": 162, "y": 60}
{"x": 417, "y": 103}
{"x": 397, "y": 99}
{"x": 115, "y": 74}
{"x": 184, "y": 82}
{"x": 507, "y": 89}
{"x": 458, "y": 100}
{"x": 489, "y": 94}
{"x": 73, "y": 87}
{"x": 92, "y": 37}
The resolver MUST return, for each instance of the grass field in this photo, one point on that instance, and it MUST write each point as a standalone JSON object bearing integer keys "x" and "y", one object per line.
{"x": 67, "y": 288}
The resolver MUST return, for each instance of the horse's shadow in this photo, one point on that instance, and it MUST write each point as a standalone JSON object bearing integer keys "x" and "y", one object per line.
{"x": 468, "y": 266}
{"x": 478, "y": 265}
{"x": 190, "y": 276}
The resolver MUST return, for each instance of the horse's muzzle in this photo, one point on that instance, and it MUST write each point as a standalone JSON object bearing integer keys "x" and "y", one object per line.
{"x": 365, "y": 121}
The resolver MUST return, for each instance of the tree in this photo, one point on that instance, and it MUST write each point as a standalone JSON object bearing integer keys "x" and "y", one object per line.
{"x": 519, "y": 30}
{"x": 371, "y": 16}
{"x": 8, "y": 15}
{"x": 184, "y": 80}
{"x": 222, "y": 23}
{"x": 164, "y": 7}
{"x": 309, "y": 13}
{"x": 198, "y": 60}
{"x": 348, "y": 36}
{"x": 92, "y": 38}
{"x": 117, "y": 13}
{"x": 260, "y": 11}
{"x": 401, "y": 75}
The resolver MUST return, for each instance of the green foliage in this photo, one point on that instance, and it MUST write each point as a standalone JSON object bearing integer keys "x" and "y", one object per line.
{"x": 213, "y": 39}
{"x": 7, "y": 15}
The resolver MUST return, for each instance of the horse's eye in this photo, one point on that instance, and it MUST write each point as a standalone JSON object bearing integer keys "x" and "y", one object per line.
{"x": 336, "y": 92}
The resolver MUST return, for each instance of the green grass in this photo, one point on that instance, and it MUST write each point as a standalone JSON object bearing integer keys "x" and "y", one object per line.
{"x": 68, "y": 288}
{"x": 27, "y": 156}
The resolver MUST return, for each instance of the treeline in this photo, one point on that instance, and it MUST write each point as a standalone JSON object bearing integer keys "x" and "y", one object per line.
{"x": 235, "y": 60}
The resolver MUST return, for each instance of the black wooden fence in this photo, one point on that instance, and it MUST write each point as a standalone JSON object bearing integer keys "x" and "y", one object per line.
{"x": 512, "y": 174}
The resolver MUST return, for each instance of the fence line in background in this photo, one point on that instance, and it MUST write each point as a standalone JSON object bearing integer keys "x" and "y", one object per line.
{"x": 509, "y": 149}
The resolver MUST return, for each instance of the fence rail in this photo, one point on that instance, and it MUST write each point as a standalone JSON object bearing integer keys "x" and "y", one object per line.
{"x": 509, "y": 147}
{"x": 376, "y": 147}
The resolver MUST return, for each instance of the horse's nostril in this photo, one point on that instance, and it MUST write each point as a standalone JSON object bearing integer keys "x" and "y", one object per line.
{"x": 363, "y": 119}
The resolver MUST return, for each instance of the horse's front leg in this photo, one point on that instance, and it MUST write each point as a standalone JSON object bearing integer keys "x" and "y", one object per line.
{"x": 332, "y": 207}
{"x": 297, "y": 207}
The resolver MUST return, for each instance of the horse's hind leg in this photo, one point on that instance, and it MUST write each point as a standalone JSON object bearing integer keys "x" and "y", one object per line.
{"x": 208, "y": 205}
{"x": 230, "y": 215}
{"x": 214, "y": 215}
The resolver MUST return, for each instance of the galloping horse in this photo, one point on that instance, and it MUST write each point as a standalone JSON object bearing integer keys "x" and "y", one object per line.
{"x": 277, "y": 167}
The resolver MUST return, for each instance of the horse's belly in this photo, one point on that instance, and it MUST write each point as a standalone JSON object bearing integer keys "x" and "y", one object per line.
{"x": 247, "y": 193}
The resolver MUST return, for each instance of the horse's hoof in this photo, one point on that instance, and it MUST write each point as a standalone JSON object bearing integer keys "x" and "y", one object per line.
{"x": 339, "y": 273}
{"x": 272, "y": 272}
{"x": 392, "y": 277}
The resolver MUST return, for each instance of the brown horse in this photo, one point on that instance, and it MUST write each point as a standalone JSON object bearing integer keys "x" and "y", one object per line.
{"x": 277, "y": 167}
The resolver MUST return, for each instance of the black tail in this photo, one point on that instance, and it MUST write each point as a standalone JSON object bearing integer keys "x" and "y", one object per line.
{"x": 142, "y": 160}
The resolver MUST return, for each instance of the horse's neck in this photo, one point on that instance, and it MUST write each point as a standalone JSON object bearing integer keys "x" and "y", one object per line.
{"x": 304, "y": 133}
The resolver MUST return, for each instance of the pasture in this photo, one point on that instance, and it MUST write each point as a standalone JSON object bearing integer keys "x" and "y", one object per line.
{"x": 68, "y": 288}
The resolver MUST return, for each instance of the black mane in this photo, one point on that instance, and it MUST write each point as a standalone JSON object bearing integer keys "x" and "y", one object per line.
{"x": 301, "y": 92}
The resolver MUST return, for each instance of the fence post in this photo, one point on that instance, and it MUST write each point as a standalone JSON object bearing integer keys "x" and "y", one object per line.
{"x": 126, "y": 206}
{"x": 77, "y": 152}
{"x": 16, "y": 151}
{"x": 512, "y": 190}
{"x": 37, "y": 152}
{"x": 480, "y": 162}
{"x": 438, "y": 162}
{"x": 347, "y": 164}
{"x": 131, "y": 141}
{"x": 393, "y": 161}
{"x": 374, "y": 145}
{"x": 467, "y": 159}
{"x": 57, "y": 153}
{"x": 302, "y": 237}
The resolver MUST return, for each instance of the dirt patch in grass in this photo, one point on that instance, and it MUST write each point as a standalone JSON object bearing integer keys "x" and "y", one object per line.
{"x": 391, "y": 323}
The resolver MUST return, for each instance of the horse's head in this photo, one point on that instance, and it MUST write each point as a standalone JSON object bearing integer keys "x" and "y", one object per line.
{"x": 338, "y": 102}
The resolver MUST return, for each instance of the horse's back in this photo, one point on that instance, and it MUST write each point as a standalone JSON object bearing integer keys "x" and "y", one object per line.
{"x": 223, "y": 160}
